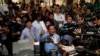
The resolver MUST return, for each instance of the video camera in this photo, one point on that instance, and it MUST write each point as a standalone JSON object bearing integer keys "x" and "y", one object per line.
{"x": 89, "y": 38}
{"x": 48, "y": 39}
{"x": 67, "y": 29}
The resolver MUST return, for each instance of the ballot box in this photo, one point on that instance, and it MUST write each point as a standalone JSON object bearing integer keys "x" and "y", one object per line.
{"x": 23, "y": 48}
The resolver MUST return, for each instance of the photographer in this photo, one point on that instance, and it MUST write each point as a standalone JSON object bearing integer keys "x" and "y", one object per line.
{"x": 78, "y": 30}
{"x": 89, "y": 14}
{"x": 67, "y": 30}
{"x": 48, "y": 43}
{"x": 79, "y": 26}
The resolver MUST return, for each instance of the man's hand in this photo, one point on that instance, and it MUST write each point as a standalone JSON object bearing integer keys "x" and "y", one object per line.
{"x": 78, "y": 31}
{"x": 42, "y": 32}
{"x": 18, "y": 33}
{"x": 54, "y": 40}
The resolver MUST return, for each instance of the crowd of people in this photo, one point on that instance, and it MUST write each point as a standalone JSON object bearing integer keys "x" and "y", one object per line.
{"x": 23, "y": 21}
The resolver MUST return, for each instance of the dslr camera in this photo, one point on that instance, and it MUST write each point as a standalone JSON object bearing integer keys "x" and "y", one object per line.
{"x": 48, "y": 39}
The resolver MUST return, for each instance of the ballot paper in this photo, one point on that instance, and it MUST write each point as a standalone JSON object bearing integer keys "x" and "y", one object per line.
{"x": 23, "y": 45}
{"x": 43, "y": 26}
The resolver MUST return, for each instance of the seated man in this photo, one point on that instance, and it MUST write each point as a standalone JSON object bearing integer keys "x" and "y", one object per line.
{"x": 48, "y": 43}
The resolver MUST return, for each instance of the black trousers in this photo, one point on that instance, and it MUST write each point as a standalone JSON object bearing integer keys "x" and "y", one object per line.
{"x": 42, "y": 51}
{"x": 8, "y": 45}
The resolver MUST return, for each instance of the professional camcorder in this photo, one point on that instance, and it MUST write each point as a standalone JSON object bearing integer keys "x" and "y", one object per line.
{"x": 67, "y": 29}
{"x": 89, "y": 38}
{"x": 48, "y": 39}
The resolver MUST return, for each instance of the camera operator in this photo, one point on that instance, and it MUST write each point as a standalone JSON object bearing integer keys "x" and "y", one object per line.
{"x": 78, "y": 31}
{"x": 79, "y": 26}
{"x": 89, "y": 15}
{"x": 69, "y": 25}
{"x": 48, "y": 43}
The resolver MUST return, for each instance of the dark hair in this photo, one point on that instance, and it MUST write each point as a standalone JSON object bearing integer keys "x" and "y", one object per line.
{"x": 70, "y": 16}
{"x": 82, "y": 17}
{"x": 55, "y": 5}
{"x": 64, "y": 42}
{"x": 38, "y": 15}
{"x": 1, "y": 16}
{"x": 50, "y": 26}
{"x": 27, "y": 21}
{"x": 51, "y": 13}
{"x": 98, "y": 17}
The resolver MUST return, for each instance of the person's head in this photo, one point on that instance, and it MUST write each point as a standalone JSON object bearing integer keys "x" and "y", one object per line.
{"x": 98, "y": 21}
{"x": 38, "y": 17}
{"x": 67, "y": 13}
{"x": 51, "y": 15}
{"x": 80, "y": 20}
{"x": 47, "y": 13}
{"x": 75, "y": 5}
{"x": 1, "y": 18}
{"x": 54, "y": 7}
{"x": 58, "y": 9}
{"x": 18, "y": 19}
{"x": 69, "y": 19}
{"x": 24, "y": 19}
{"x": 88, "y": 11}
{"x": 51, "y": 29}
{"x": 19, "y": 12}
{"x": 28, "y": 24}
{"x": 94, "y": 19}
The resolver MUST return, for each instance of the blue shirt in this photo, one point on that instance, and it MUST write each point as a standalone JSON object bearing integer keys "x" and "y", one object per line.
{"x": 27, "y": 34}
{"x": 51, "y": 45}
{"x": 67, "y": 37}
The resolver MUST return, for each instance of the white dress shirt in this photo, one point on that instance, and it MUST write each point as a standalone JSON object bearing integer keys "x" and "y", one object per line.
{"x": 37, "y": 29}
{"x": 59, "y": 17}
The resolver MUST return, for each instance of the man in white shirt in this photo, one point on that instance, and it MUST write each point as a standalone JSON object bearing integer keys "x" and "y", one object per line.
{"x": 38, "y": 30}
{"x": 59, "y": 17}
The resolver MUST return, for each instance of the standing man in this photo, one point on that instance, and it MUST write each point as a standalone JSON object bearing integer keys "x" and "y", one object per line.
{"x": 37, "y": 27}
{"x": 5, "y": 36}
{"x": 58, "y": 16}
{"x": 27, "y": 32}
